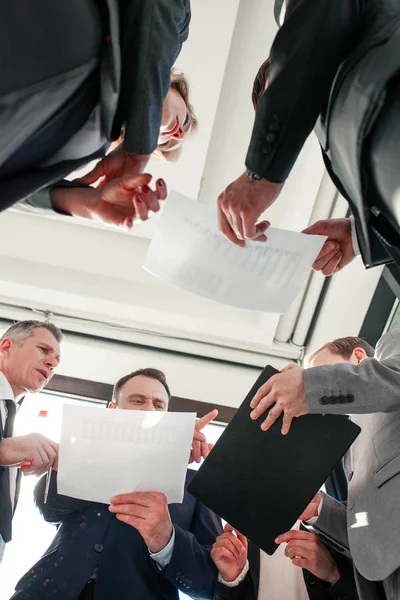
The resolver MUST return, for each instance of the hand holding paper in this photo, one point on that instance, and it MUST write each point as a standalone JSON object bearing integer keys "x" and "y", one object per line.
{"x": 188, "y": 250}
{"x": 104, "y": 453}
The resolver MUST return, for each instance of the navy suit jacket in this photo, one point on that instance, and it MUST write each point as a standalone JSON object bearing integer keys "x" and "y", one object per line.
{"x": 89, "y": 537}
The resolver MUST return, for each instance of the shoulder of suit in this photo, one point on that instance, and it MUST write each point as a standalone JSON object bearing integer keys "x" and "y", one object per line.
{"x": 388, "y": 344}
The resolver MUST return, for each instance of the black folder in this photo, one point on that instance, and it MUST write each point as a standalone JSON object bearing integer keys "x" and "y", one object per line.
{"x": 260, "y": 482}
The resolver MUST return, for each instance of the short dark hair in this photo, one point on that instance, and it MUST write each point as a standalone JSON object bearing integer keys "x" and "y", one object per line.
{"x": 21, "y": 330}
{"x": 260, "y": 81}
{"x": 148, "y": 372}
{"x": 344, "y": 347}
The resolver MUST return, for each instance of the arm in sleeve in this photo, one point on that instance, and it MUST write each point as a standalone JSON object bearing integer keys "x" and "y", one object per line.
{"x": 331, "y": 525}
{"x": 152, "y": 35}
{"x": 369, "y": 387}
{"x": 57, "y": 507}
{"x": 40, "y": 202}
{"x": 315, "y": 38}
{"x": 243, "y": 591}
{"x": 191, "y": 568}
{"x": 346, "y": 585}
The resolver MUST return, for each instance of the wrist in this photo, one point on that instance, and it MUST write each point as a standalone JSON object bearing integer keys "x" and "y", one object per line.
{"x": 158, "y": 543}
{"x": 75, "y": 201}
{"x": 334, "y": 576}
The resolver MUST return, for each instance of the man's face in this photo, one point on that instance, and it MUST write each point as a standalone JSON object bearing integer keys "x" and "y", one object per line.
{"x": 326, "y": 357}
{"x": 29, "y": 365}
{"x": 143, "y": 393}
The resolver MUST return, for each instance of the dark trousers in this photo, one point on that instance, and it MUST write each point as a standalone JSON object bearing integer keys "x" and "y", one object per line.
{"x": 88, "y": 591}
{"x": 43, "y": 59}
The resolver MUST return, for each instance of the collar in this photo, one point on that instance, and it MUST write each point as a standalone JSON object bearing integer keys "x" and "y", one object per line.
{"x": 6, "y": 392}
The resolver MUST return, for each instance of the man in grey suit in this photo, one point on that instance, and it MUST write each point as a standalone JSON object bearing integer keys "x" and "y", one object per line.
{"x": 348, "y": 377}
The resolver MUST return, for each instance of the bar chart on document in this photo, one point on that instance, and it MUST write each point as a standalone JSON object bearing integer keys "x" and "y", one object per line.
{"x": 187, "y": 250}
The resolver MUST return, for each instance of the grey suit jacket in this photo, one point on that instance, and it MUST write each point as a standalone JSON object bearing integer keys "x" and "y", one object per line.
{"x": 369, "y": 391}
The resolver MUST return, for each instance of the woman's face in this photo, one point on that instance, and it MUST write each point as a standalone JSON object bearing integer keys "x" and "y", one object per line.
{"x": 175, "y": 121}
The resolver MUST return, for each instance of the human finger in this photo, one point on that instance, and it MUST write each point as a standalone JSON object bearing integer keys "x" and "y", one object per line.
{"x": 331, "y": 267}
{"x": 206, "y": 419}
{"x": 261, "y": 228}
{"x": 132, "y": 510}
{"x": 293, "y": 534}
{"x": 150, "y": 198}
{"x": 220, "y": 552}
{"x": 205, "y": 451}
{"x": 196, "y": 449}
{"x": 228, "y": 543}
{"x": 302, "y": 550}
{"x": 264, "y": 404}
{"x": 226, "y": 229}
{"x": 286, "y": 423}
{"x": 161, "y": 187}
{"x": 261, "y": 393}
{"x": 272, "y": 416}
{"x": 140, "y": 207}
{"x": 199, "y": 436}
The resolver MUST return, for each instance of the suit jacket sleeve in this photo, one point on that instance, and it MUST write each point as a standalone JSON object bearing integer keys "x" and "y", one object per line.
{"x": 315, "y": 38}
{"x": 152, "y": 34}
{"x": 57, "y": 507}
{"x": 40, "y": 203}
{"x": 369, "y": 387}
{"x": 191, "y": 568}
{"x": 243, "y": 591}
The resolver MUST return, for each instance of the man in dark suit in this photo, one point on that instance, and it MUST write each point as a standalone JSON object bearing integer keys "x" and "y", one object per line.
{"x": 335, "y": 67}
{"x": 305, "y": 569}
{"x": 137, "y": 547}
{"x": 74, "y": 74}
{"x": 29, "y": 353}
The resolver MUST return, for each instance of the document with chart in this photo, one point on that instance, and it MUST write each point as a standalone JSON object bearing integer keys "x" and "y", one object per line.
{"x": 188, "y": 251}
{"x": 105, "y": 452}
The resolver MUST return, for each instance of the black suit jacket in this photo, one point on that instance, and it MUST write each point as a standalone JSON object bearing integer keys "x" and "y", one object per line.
{"x": 89, "y": 537}
{"x": 331, "y": 62}
{"x": 142, "y": 40}
{"x": 6, "y": 509}
{"x": 344, "y": 589}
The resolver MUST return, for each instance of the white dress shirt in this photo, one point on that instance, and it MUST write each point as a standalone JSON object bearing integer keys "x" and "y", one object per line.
{"x": 279, "y": 578}
{"x": 6, "y": 393}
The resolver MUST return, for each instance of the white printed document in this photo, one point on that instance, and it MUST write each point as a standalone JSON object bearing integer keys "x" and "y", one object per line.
{"x": 187, "y": 250}
{"x": 105, "y": 452}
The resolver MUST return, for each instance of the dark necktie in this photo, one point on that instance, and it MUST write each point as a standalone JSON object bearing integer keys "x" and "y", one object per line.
{"x": 11, "y": 412}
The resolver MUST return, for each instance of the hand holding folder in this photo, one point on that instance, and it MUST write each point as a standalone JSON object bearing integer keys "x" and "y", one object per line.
{"x": 260, "y": 482}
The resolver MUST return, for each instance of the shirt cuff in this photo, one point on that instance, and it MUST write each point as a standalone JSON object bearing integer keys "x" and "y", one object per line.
{"x": 163, "y": 557}
{"x": 238, "y": 579}
{"x": 354, "y": 241}
{"x": 315, "y": 519}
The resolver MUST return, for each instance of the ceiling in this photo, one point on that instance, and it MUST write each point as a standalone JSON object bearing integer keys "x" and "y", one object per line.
{"x": 91, "y": 276}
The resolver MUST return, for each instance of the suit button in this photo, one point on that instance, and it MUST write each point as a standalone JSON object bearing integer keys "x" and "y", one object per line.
{"x": 333, "y": 400}
{"x": 342, "y": 399}
{"x": 274, "y": 127}
{"x": 98, "y": 547}
{"x": 271, "y": 137}
{"x": 267, "y": 148}
{"x": 324, "y": 400}
{"x": 350, "y": 398}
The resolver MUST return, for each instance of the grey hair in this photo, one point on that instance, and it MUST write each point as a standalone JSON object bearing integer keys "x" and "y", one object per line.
{"x": 21, "y": 330}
